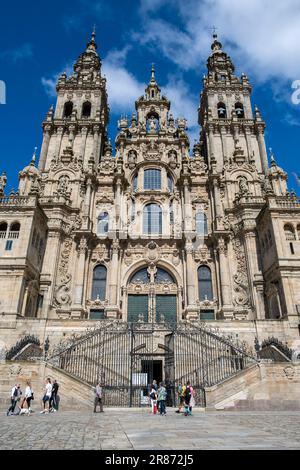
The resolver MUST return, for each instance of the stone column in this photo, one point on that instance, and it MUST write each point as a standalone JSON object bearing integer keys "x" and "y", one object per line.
{"x": 225, "y": 279}
{"x": 211, "y": 140}
{"x": 49, "y": 273}
{"x": 249, "y": 143}
{"x": 218, "y": 205}
{"x": 87, "y": 199}
{"x": 188, "y": 218}
{"x": 84, "y": 132}
{"x": 252, "y": 268}
{"x": 224, "y": 143}
{"x": 96, "y": 130}
{"x": 191, "y": 310}
{"x": 45, "y": 147}
{"x": 59, "y": 135}
{"x": 113, "y": 311}
{"x": 77, "y": 310}
{"x": 262, "y": 149}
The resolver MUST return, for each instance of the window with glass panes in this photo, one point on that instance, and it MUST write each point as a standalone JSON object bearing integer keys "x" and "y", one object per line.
{"x": 205, "y": 283}
{"x": 152, "y": 179}
{"x": 152, "y": 219}
{"x": 99, "y": 283}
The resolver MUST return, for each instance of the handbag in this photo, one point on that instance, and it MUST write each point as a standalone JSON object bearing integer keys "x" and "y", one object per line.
{"x": 32, "y": 397}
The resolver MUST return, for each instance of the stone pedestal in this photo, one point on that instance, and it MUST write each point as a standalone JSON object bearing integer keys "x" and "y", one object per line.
{"x": 191, "y": 313}
{"x": 113, "y": 312}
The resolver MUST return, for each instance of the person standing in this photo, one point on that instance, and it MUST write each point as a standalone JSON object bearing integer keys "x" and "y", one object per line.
{"x": 162, "y": 396}
{"x": 28, "y": 395}
{"x": 14, "y": 397}
{"x": 47, "y": 395}
{"x": 53, "y": 399}
{"x": 188, "y": 402}
{"x": 98, "y": 398}
{"x": 153, "y": 398}
{"x": 180, "y": 394}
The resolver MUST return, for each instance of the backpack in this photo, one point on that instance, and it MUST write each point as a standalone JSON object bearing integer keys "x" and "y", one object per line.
{"x": 15, "y": 392}
{"x": 187, "y": 392}
{"x": 152, "y": 395}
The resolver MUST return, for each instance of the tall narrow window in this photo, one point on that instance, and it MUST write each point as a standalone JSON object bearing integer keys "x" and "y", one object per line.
{"x": 298, "y": 231}
{"x": 86, "y": 109}
{"x": 102, "y": 226}
{"x": 152, "y": 179}
{"x": 68, "y": 109}
{"x": 205, "y": 283}
{"x": 3, "y": 230}
{"x": 239, "y": 108}
{"x": 170, "y": 183}
{"x": 171, "y": 213}
{"x": 201, "y": 224}
{"x": 152, "y": 219}
{"x": 222, "y": 113}
{"x": 99, "y": 283}
{"x": 135, "y": 183}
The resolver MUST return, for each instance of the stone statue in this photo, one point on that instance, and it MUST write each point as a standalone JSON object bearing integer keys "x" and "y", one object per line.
{"x": 3, "y": 181}
{"x": 244, "y": 190}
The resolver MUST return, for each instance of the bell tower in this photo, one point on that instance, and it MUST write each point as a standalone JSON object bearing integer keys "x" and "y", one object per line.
{"x": 80, "y": 117}
{"x": 226, "y": 116}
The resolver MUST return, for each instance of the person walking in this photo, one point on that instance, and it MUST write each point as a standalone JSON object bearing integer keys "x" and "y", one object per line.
{"x": 15, "y": 395}
{"x": 98, "y": 398}
{"x": 53, "y": 403}
{"x": 28, "y": 395}
{"x": 47, "y": 396}
{"x": 180, "y": 393}
{"x": 162, "y": 396}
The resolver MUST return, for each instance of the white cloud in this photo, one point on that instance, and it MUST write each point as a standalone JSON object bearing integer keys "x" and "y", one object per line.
{"x": 261, "y": 35}
{"x": 49, "y": 84}
{"x": 15, "y": 55}
{"x": 123, "y": 87}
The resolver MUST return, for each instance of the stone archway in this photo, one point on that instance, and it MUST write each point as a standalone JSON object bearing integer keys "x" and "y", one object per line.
{"x": 152, "y": 295}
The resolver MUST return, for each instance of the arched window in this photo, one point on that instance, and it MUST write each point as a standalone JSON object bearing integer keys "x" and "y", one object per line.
{"x": 135, "y": 182}
{"x": 222, "y": 113}
{"x": 14, "y": 230}
{"x": 152, "y": 219}
{"x": 99, "y": 283}
{"x": 239, "y": 109}
{"x": 170, "y": 183}
{"x": 102, "y": 226}
{"x": 161, "y": 277}
{"x": 205, "y": 283}
{"x": 289, "y": 232}
{"x": 152, "y": 179}
{"x": 3, "y": 229}
{"x": 86, "y": 109}
{"x": 68, "y": 109}
{"x": 133, "y": 210}
{"x": 201, "y": 224}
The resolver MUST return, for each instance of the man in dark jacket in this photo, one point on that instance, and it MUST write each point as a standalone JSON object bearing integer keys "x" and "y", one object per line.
{"x": 53, "y": 399}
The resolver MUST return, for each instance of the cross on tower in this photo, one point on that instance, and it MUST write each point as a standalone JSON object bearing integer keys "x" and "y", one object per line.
{"x": 214, "y": 30}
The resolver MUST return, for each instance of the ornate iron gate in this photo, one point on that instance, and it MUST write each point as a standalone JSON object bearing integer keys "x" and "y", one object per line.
{"x": 127, "y": 357}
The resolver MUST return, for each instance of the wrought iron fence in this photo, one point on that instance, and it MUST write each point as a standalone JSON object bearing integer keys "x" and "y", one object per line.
{"x": 127, "y": 357}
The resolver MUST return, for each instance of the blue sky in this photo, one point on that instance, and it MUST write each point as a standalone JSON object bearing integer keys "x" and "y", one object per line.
{"x": 39, "y": 41}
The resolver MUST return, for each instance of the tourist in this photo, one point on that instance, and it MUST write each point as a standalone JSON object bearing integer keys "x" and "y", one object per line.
{"x": 53, "y": 403}
{"x": 28, "y": 396}
{"x": 47, "y": 395}
{"x": 188, "y": 402}
{"x": 153, "y": 399}
{"x": 180, "y": 393}
{"x": 14, "y": 398}
{"x": 162, "y": 396}
{"x": 98, "y": 398}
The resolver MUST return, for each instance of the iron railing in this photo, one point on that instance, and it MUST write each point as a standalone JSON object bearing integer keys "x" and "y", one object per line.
{"x": 127, "y": 357}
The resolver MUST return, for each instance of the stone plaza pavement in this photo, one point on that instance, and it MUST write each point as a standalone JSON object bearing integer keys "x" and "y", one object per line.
{"x": 117, "y": 429}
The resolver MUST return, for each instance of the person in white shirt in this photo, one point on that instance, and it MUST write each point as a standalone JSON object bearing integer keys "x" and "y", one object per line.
{"x": 47, "y": 395}
{"x": 28, "y": 395}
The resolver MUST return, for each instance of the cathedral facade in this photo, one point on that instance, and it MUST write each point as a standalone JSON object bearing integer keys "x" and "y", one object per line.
{"x": 157, "y": 232}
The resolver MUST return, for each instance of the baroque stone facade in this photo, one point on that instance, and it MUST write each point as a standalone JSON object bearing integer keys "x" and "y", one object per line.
{"x": 156, "y": 231}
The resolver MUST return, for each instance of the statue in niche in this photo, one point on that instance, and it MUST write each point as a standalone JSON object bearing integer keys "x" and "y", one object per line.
{"x": 172, "y": 159}
{"x": 63, "y": 184}
{"x": 243, "y": 185}
{"x": 131, "y": 158}
{"x": 152, "y": 124}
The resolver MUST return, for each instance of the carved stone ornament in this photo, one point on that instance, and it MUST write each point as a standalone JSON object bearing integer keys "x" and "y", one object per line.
{"x": 62, "y": 294}
{"x": 289, "y": 372}
{"x": 241, "y": 282}
{"x": 15, "y": 370}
